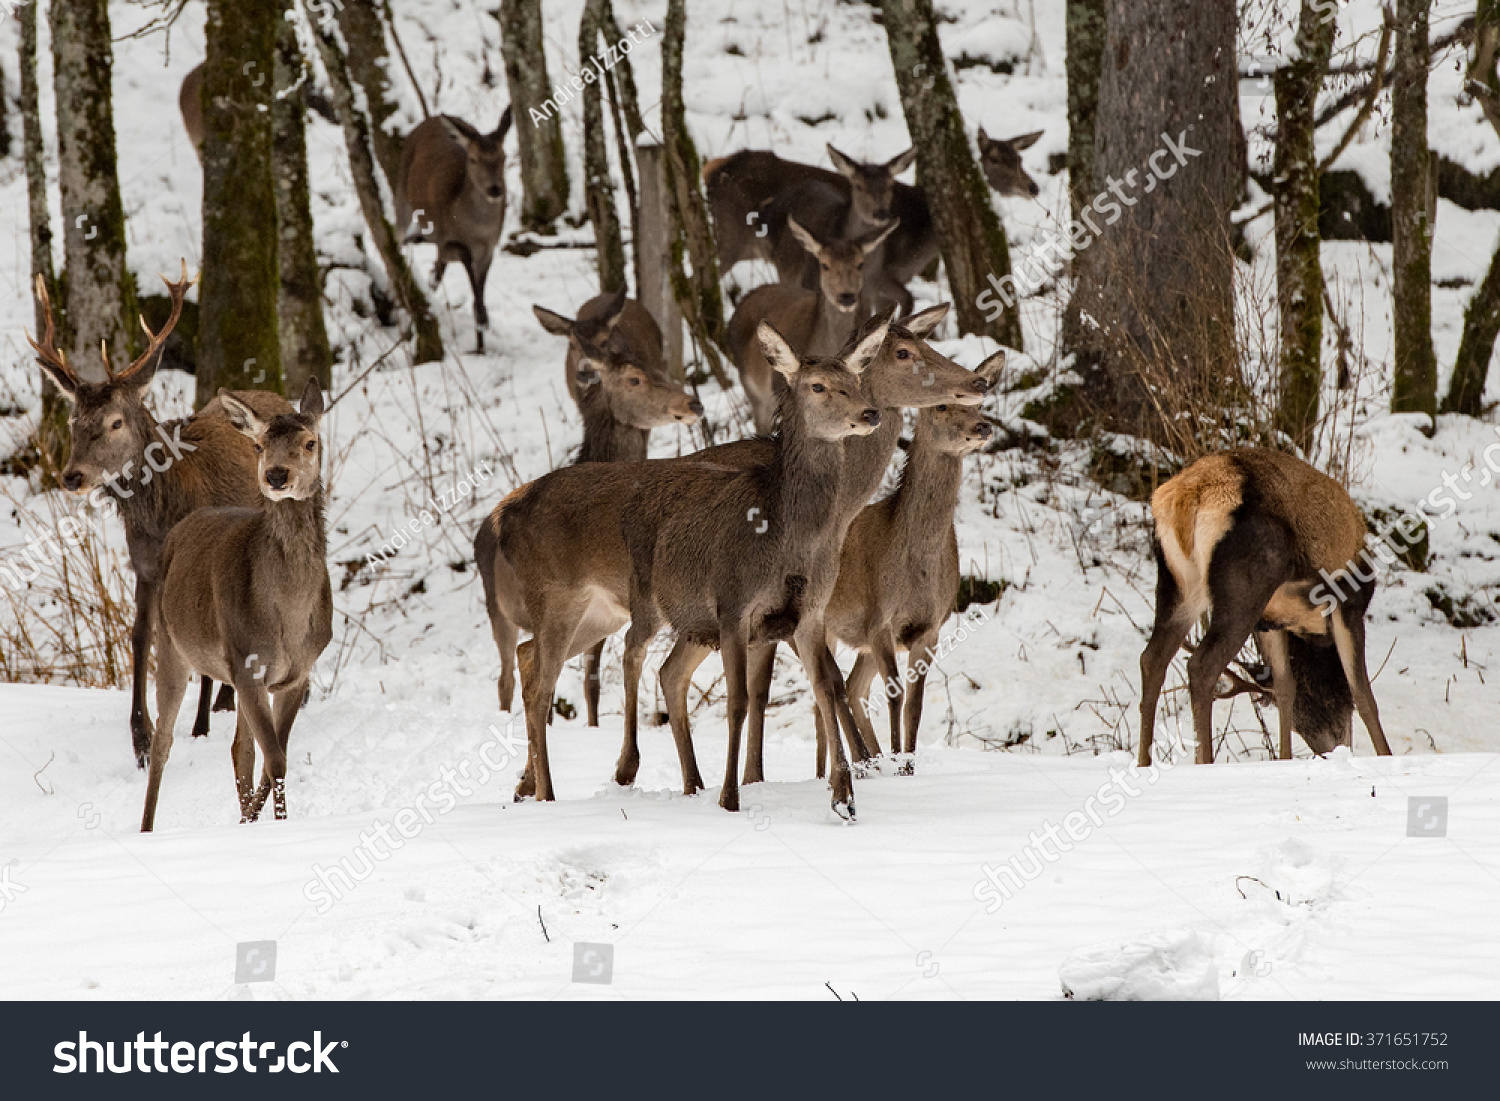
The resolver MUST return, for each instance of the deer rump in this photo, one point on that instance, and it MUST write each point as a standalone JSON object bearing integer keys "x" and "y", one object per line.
{"x": 1290, "y": 521}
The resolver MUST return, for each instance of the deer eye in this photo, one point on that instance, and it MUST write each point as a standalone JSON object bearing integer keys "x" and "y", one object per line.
{"x": 257, "y": 448}
{"x": 635, "y": 382}
{"x": 119, "y": 422}
{"x": 312, "y": 445}
{"x": 903, "y": 353}
{"x": 818, "y": 388}
{"x": 942, "y": 408}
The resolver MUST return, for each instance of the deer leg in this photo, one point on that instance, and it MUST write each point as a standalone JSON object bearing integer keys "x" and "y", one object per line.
{"x": 1349, "y": 637}
{"x": 479, "y": 273}
{"x": 171, "y": 684}
{"x": 634, "y": 659}
{"x": 1245, "y": 569}
{"x": 526, "y": 660}
{"x": 284, "y": 712}
{"x": 549, "y": 645}
{"x": 676, "y": 679}
{"x": 762, "y": 669}
{"x": 205, "y": 697}
{"x": 884, "y": 656}
{"x": 912, "y": 715}
{"x": 857, "y": 688}
{"x": 733, "y": 648}
{"x": 859, "y": 749}
{"x": 505, "y": 641}
{"x": 224, "y": 701}
{"x": 243, "y": 755}
{"x": 591, "y": 665}
{"x": 140, "y": 655}
{"x": 255, "y": 706}
{"x": 811, "y": 639}
{"x": 1283, "y": 682}
{"x": 1167, "y": 634}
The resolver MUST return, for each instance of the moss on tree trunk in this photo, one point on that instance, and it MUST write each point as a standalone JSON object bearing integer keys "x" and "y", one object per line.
{"x": 238, "y": 343}
{"x": 99, "y": 293}
{"x": 970, "y": 237}
{"x": 369, "y": 66}
{"x": 598, "y": 184}
{"x": 1415, "y": 385}
{"x": 544, "y": 170}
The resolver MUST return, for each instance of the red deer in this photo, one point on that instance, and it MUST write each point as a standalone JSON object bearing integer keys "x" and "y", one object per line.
{"x": 753, "y": 192}
{"x": 620, "y": 408}
{"x": 817, "y": 321}
{"x": 190, "y": 102}
{"x": 156, "y": 473}
{"x": 898, "y": 572}
{"x": 245, "y": 598}
{"x": 907, "y": 374}
{"x": 450, "y": 191}
{"x": 1245, "y": 536}
{"x": 607, "y": 321}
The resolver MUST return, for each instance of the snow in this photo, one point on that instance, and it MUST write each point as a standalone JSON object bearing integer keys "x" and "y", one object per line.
{"x": 1254, "y": 879}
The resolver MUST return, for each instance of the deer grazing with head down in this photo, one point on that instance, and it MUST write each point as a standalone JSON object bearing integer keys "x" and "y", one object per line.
{"x": 622, "y": 397}
{"x": 898, "y": 571}
{"x": 155, "y": 473}
{"x": 1249, "y": 537}
{"x": 817, "y": 321}
{"x": 450, "y": 191}
{"x": 245, "y": 598}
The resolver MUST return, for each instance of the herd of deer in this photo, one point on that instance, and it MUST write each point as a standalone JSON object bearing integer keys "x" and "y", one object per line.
{"x": 736, "y": 548}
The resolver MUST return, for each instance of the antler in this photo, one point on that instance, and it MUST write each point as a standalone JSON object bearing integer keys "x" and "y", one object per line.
{"x": 47, "y": 352}
{"x": 156, "y": 340}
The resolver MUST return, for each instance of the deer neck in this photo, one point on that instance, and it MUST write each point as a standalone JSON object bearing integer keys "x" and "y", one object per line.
{"x": 923, "y": 506}
{"x": 605, "y": 438}
{"x": 295, "y": 531}
{"x": 831, "y": 327}
{"x": 807, "y": 476}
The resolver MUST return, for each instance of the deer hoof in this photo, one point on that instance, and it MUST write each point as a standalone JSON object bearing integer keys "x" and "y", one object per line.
{"x": 844, "y": 808}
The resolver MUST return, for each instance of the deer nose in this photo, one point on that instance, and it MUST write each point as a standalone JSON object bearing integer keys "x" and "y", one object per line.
{"x": 979, "y": 385}
{"x": 882, "y": 214}
{"x": 871, "y": 417}
{"x": 496, "y": 191}
{"x": 1034, "y": 189}
{"x": 73, "y": 481}
{"x": 695, "y": 407}
{"x": 848, "y": 301}
{"x": 983, "y": 430}
{"x": 276, "y": 477}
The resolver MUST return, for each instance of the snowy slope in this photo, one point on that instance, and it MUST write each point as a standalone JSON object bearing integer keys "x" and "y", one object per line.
{"x": 1024, "y": 719}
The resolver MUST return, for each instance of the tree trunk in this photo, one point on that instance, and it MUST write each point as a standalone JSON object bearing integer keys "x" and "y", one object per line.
{"x": 4, "y": 115}
{"x": 625, "y": 111}
{"x": 52, "y": 430}
{"x": 653, "y": 238}
{"x": 304, "y": 339}
{"x": 970, "y": 236}
{"x": 544, "y": 170}
{"x": 1086, "y": 31}
{"x": 598, "y": 183}
{"x": 429, "y": 341}
{"x": 1415, "y": 384}
{"x": 1299, "y": 272}
{"x": 698, "y": 292}
{"x": 99, "y": 291}
{"x": 238, "y": 343}
{"x": 1158, "y": 289}
{"x": 369, "y": 67}
{"x": 1482, "y": 317}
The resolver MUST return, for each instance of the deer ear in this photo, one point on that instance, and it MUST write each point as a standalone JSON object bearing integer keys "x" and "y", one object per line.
{"x": 899, "y": 164}
{"x": 992, "y": 368}
{"x": 1026, "y": 141}
{"x": 240, "y": 415}
{"x": 846, "y": 166}
{"x": 500, "y": 131}
{"x": 311, "y": 404}
{"x": 459, "y": 130}
{"x": 870, "y": 242}
{"x": 777, "y": 351}
{"x": 868, "y": 348}
{"x": 613, "y": 310}
{"x": 985, "y": 141}
{"x": 66, "y": 384}
{"x": 806, "y": 239}
{"x": 924, "y": 322}
{"x": 554, "y": 323}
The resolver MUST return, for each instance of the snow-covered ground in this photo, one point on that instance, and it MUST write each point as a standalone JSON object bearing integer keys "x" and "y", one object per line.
{"x": 1253, "y": 878}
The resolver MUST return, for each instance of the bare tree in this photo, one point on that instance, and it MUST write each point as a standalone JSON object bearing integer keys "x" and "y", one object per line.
{"x": 598, "y": 182}
{"x": 544, "y": 170}
{"x": 697, "y": 291}
{"x": 239, "y": 346}
{"x": 1299, "y": 270}
{"x": 1086, "y": 30}
{"x": 356, "y": 128}
{"x": 305, "y": 352}
{"x": 369, "y": 68}
{"x": 970, "y": 236}
{"x": 1415, "y": 384}
{"x": 1482, "y": 317}
{"x": 99, "y": 292}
